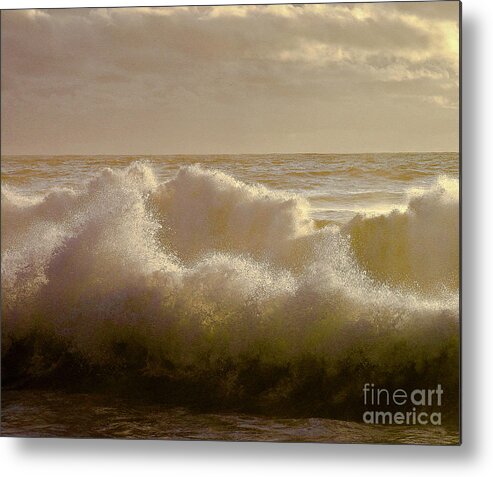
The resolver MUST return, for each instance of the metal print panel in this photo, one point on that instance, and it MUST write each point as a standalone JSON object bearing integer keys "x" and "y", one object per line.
{"x": 232, "y": 222}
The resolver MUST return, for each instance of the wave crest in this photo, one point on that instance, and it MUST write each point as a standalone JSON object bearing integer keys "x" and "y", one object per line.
{"x": 416, "y": 247}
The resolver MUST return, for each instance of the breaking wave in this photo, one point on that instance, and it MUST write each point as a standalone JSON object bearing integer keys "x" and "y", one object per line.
{"x": 418, "y": 246}
{"x": 228, "y": 290}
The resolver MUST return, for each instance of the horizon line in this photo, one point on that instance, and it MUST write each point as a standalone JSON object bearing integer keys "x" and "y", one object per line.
{"x": 239, "y": 153}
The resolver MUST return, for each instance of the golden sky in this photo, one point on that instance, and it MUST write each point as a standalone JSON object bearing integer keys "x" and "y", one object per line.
{"x": 231, "y": 79}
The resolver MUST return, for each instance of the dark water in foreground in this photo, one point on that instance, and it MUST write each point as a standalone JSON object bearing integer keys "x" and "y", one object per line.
{"x": 55, "y": 414}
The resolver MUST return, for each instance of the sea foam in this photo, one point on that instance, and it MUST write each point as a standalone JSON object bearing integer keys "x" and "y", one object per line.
{"x": 203, "y": 270}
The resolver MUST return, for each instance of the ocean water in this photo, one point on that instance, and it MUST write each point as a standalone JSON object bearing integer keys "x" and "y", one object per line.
{"x": 240, "y": 297}
{"x": 50, "y": 414}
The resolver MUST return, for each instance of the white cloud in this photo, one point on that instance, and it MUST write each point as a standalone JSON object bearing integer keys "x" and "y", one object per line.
{"x": 207, "y": 68}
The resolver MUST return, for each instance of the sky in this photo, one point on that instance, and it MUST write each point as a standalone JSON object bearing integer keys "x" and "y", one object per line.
{"x": 326, "y": 78}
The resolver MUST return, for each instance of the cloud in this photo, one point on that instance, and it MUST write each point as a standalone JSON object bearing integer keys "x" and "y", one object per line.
{"x": 230, "y": 78}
